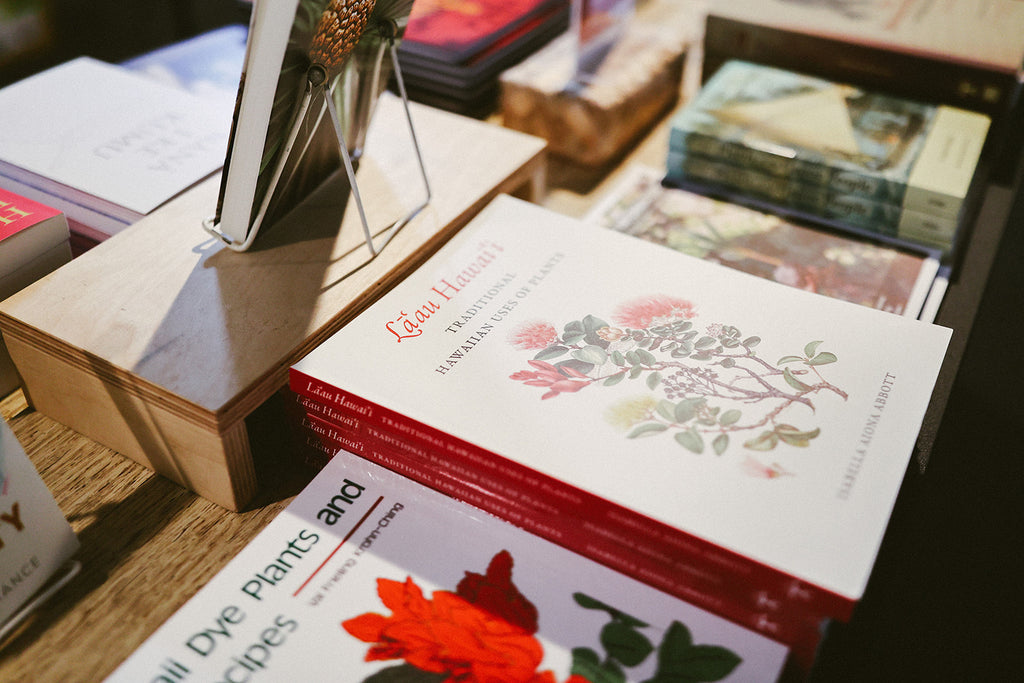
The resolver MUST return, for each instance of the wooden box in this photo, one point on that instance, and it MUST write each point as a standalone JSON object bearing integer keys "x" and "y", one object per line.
{"x": 160, "y": 343}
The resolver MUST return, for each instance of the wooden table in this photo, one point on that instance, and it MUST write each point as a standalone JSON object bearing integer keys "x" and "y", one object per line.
{"x": 148, "y": 544}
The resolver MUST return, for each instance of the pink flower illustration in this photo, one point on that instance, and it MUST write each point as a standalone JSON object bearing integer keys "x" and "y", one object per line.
{"x": 648, "y": 311}
{"x": 557, "y": 380}
{"x": 533, "y": 335}
{"x": 755, "y": 468}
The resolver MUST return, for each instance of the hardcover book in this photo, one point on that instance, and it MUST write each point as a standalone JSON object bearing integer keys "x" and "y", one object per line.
{"x": 958, "y": 52}
{"x": 321, "y": 431}
{"x": 695, "y": 412}
{"x": 821, "y": 133}
{"x": 89, "y": 138}
{"x": 36, "y": 542}
{"x": 368, "y": 576}
{"x": 763, "y": 244}
{"x": 849, "y": 212}
{"x": 34, "y": 241}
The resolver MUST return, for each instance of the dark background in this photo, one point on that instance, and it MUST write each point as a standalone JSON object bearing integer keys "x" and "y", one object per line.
{"x": 114, "y": 30}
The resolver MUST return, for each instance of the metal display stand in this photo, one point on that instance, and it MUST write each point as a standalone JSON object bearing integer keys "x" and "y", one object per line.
{"x": 318, "y": 88}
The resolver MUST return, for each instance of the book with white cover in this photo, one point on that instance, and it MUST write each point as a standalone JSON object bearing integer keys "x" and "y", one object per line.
{"x": 687, "y": 405}
{"x": 109, "y": 139}
{"x": 368, "y": 576}
{"x": 36, "y": 541}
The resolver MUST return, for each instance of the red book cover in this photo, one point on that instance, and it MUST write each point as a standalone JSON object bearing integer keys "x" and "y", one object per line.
{"x": 18, "y": 213}
{"x": 456, "y": 31}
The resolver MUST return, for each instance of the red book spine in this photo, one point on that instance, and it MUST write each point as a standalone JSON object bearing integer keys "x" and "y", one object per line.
{"x": 795, "y": 631}
{"x": 656, "y": 538}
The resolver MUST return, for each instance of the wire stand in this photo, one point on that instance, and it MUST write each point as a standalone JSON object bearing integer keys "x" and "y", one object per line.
{"x": 317, "y": 86}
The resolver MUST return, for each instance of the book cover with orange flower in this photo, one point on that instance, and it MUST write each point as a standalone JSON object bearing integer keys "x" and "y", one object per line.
{"x": 695, "y": 411}
{"x": 368, "y": 576}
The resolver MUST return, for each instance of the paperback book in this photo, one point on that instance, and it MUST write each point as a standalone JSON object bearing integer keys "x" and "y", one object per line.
{"x": 37, "y": 545}
{"x": 34, "y": 241}
{"x": 321, "y": 431}
{"x": 853, "y": 212}
{"x": 820, "y": 133}
{"x": 105, "y": 145}
{"x": 369, "y": 576}
{"x": 766, "y": 245}
{"x": 666, "y": 406}
{"x": 958, "y": 52}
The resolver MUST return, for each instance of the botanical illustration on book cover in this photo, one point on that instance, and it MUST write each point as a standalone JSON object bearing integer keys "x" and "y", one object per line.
{"x": 763, "y": 244}
{"x": 701, "y": 383}
{"x": 485, "y": 630}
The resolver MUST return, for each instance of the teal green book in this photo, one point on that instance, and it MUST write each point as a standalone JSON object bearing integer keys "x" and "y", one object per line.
{"x": 838, "y": 136}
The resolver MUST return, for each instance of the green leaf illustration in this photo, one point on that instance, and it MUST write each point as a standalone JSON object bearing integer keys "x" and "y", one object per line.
{"x": 587, "y": 602}
{"x": 720, "y": 444}
{"x": 687, "y": 409}
{"x": 792, "y": 381}
{"x": 618, "y": 358}
{"x": 653, "y": 380}
{"x": 796, "y": 437}
{"x": 751, "y": 342}
{"x": 614, "y": 379}
{"x": 591, "y": 354}
{"x": 705, "y": 342}
{"x": 647, "y": 429}
{"x": 587, "y": 664}
{"x": 592, "y": 323}
{"x": 623, "y": 642}
{"x": 765, "y": 441}
{"x": 691, "y": 441}
{"x": 551, "y": 352}
{"x": 667, "y": 410}
{"x": 679, "y": 660}
{"x": 811, "y": 348}
{"x": 646, "y": 357}
{"x": 729, "y": 417}
{"x": 823, "y": 358}
{"x": 789, "y": 359}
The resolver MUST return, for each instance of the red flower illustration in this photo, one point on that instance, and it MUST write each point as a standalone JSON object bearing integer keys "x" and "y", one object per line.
{"x": 490, "y": 642}
{"x": 641, "y": 314}
{"x": 557, "y": 380}
{"x": 533, "y": 335}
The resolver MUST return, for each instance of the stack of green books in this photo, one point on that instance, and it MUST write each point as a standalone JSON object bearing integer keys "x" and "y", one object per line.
{"x": 867, "y": 161}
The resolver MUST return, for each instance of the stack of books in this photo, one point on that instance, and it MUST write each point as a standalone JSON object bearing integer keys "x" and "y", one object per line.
{"x": 368, "y": 576}
{"x": 853, "y": 159}
{"x": 733, "y": 442}
{"x": 452, "y": 54}
{"x": 105, "y": 145}
{"x": 34, "y": 241}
